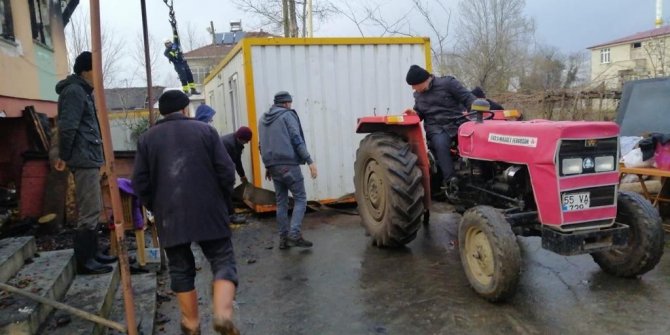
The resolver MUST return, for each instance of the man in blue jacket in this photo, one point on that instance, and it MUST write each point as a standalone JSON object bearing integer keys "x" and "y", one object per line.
{"x": 283, "y": 150}
{"x": 185, "y": 177}
{"x": 80, "y": 149}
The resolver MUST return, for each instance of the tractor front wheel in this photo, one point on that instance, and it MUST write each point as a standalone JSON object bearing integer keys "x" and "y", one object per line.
{"x": 389, "y": 192}
{"x": 489, "y": 253}
{"x": 645, "y": 238}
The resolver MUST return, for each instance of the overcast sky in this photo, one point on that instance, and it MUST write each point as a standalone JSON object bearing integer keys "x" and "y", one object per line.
{"x": 569, "y": 25}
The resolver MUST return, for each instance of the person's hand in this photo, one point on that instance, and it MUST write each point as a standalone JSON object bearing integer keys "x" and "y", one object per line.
{"x": 60, "y": 165}
{"x": 312, "y": 170}
{"x": 409, "y": 111}
{"x": 268, "y": 176}
{"x": 244, "y": 180}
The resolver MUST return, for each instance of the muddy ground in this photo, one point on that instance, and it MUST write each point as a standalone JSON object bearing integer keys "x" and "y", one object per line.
{"x": 343, "y": 285}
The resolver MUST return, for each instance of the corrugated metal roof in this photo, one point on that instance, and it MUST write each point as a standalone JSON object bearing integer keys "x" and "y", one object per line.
{"x": 665, "y": 30}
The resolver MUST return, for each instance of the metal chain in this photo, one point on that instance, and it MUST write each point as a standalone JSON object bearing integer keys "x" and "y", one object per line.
{"x": 173, "y": 20}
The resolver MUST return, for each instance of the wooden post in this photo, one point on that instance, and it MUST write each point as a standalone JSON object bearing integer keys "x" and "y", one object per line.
{"x": 115, "y": 196}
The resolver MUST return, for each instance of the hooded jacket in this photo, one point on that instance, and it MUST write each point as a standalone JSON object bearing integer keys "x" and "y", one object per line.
{"x": 282, "y": 141}
{"x": 80, "y": 142}
{"x": 204, "y": 113}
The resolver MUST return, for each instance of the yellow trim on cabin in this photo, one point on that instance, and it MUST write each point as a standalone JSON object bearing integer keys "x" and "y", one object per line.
{"x": 135, "y": 114}
{"x": 245, "y": 46}
{"x": 219, "y": 67}
{"x": 251, "y": 111}
{"x": 428, "y": 54}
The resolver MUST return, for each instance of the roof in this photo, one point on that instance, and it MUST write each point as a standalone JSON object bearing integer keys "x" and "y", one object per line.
{"x": 220, "y": 50}
{"x": 129, "y": 98}
{"x": 210, "y": 51}
{"x": 665, "y": 30}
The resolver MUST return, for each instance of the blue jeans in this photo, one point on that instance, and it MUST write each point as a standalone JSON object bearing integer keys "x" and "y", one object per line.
{"x": 289, "y": 178}
{"x": 440, "y": 146}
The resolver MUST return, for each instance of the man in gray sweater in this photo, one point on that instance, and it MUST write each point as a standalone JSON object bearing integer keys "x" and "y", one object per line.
{"x": 283, "y": 150}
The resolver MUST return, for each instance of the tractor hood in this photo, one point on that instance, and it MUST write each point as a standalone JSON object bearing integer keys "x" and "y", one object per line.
{"x": 536, "y": 144}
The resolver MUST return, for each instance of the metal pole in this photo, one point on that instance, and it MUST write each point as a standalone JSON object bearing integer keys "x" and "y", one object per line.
{"x": 114, "y": 195}
{"x": 147, "y": 62}
{"x": 59, "y": 305}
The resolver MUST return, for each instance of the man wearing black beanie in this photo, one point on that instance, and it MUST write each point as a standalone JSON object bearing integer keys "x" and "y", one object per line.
{"x": 437, "y": 101}
{"x": 80, "y": 149}
{"x": 184, "y": 176}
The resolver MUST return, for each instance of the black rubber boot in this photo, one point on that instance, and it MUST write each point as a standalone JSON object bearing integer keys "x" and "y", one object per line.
{"x": 101, "y": 257}
{"x": 84, "y": 253}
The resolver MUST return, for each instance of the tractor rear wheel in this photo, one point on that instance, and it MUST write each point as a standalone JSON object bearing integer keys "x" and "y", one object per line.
{"x": 645, "y": 239}
{"x": 389, "y": 191}
{"x": 489, "y": 253}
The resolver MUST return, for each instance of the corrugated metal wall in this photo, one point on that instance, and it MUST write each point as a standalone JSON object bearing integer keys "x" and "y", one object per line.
{"x": 332, "y": 85}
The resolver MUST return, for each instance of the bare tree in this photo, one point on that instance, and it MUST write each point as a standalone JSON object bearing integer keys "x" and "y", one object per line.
{"x": 78, "y": 39}
{"x": 271, "y": 15}
{"x": 493, "y": 36}
{"x": 544, "y": 70}
{"x": 194, "y": 37}
{"x": 155, "y": 55}
{"x": 656, "y": 52}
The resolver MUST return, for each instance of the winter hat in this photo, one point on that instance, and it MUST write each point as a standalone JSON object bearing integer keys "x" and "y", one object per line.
{"x": 244, "y": 133}
{"x": 416, "y": 75}
{"x": 204, "y": 113}
{"x": 283, "y": 96}
{"x": 172, "y": 101}
{"x": 83, "y": 62}
{"x": 478, "y": 92}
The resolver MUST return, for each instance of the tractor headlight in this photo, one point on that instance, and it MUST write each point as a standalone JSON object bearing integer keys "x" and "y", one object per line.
{"x": 604, "y": 163}
{"x": 571, "y": 166}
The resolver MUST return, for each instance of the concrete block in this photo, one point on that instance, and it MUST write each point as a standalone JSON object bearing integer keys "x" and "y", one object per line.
{"x": 50, "y": 276}
{"x": 91, "y": 293}
{"x": 13, "y": 254}
{"x": 144, "y": 294}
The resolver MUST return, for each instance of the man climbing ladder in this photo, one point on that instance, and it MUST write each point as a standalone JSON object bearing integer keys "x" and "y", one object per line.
{"x": 176, "y": 56}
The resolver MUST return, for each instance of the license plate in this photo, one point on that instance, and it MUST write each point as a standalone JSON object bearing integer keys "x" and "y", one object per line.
{"x": 576, "y": 201}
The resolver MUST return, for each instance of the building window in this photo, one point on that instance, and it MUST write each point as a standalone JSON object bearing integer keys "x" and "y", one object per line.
{"x": 199, "y": 74}
{"x": 6, "y": 24}
{"x": 39, "y": 21}
{"x": 605, "y": 56}
{"x": 232, "y": 92}
{"x": 636, "y": 45}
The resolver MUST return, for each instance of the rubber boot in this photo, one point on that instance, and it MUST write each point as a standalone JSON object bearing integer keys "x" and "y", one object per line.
{"x": 84, "y": 253}
{"x": 223, "y": 293}
{"x": 188, "y": 305}
{"x": 100, "y": 257}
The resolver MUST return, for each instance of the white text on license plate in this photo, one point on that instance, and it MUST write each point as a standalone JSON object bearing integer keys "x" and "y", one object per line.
{"x": 576, "y": 201}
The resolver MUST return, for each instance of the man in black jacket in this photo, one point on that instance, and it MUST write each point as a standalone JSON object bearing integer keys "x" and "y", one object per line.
{"x": 185, "y": 177}
{"x": 479, "y": 93}
{"x": 439, "y": 102}
{"x": 80, "y": 149}
{"x": 234, "y": 143}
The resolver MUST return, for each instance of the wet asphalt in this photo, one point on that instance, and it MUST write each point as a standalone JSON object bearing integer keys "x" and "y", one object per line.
{"x": 344, "y": 285}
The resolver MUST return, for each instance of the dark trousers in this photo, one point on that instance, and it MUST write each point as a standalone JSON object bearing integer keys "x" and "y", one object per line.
{"x": 440, "y": 146}
{"x": 181, "y": 263}
{"x": 184, "y": 72}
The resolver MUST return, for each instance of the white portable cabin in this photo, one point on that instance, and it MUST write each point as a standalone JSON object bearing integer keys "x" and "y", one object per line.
{"x": 333, "y": 81}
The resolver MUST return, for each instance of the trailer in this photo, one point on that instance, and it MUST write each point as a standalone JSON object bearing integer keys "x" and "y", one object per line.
{"x": 333, "y": 81}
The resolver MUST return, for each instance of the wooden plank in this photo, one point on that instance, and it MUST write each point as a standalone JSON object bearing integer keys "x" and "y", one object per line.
{"x": 40, "y": 138}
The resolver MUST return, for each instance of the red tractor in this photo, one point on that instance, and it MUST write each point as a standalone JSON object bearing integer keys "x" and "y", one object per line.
{"x": 556, "y": 180}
